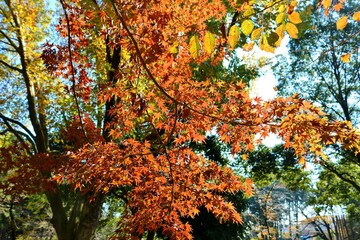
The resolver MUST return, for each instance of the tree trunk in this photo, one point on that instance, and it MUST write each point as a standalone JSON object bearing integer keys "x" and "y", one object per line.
{"x": 83, "y": 220}
{"x": 150, "y": 236}
{"x": 289, "y": 215}
{"x": 89, "y": 219}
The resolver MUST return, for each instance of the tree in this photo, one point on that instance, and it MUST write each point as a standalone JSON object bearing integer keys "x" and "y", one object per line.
{"x": 30, "y": 161}
{"x": 324, "y": 67}
{"x": 281, "y": 191}
{"x": 333, "y": 82}
{"x": 127, "y": 105}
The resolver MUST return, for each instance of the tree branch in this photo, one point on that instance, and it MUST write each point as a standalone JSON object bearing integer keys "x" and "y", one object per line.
{"x": 11, "y": 67}
{"x": 18, "y": 136}
{"x": 137, "y": 49}
{"x": 72, "y": 67}
{"x": 152, "y": 78}
{"x": 11, "y": 43}
{"x": 342, "y": 176}
{"x": 19, "y": 124}
{"x": 6, "y": 49}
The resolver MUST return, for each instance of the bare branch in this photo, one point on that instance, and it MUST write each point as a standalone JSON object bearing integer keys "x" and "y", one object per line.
{"x": 28, "y": 135}
{"x": 19, "y": 124}
{"x": 18, "y": 136}
{"x": 11, "y": 43}
{"x": 7, "y": 49}
{"x": 9, "y": 66}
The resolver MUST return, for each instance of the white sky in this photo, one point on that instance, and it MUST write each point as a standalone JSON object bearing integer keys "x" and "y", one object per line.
{"x": 264, "y": 85}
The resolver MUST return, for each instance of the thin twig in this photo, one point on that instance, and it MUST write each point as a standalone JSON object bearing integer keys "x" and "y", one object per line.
{"x": 11, "y": 67}
{"x": 72, "y": 67}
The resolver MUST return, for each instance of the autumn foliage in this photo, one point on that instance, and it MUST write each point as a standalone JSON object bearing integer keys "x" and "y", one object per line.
{"x": 136, "y": 61}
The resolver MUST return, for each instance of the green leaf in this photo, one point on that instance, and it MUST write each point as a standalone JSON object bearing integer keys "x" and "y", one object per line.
{"x": 209, "y": 42}
{"x": 247, "y": 27}
{"x": 234, "y": 34}
{"x": 194, "y": 46}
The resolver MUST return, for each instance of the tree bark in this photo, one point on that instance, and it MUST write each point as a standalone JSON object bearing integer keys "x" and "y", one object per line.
{"x": 89, "y": 219}
{"x": 150, "y": 236}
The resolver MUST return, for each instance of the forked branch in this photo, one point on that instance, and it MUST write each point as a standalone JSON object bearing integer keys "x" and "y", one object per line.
{"x": 2, "y": 116}
{"x": 18, "y": 135}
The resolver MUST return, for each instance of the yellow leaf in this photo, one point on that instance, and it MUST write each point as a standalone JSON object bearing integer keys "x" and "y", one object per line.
{"x": 302, "y": 161}
{"x": 248, "y": 46}
{"x": 193, "y": 212}
{"x": 346, "y": 58}
{"x": 247, "y": 27}
{"x": 280, "y": 18}
{"x": 326, "y": 3}
{"x": 342, "y": 22}
{"x": 295, "y": 18}
{"x": 356, "y": 16}
{"x": 234, "y": 34}
{"x": 282, "y": 8}
{"x": 209, "y": 42}
{"x": 294, "y": 3}
{"x": 256, "y": 34}
{"x": 264, "y": 45}
{"x": 280, "y": 31}
{"x": 194, "y": 46}
{"x": 292, "y": 30}
{"x": 174, "y": 47}
{"x": 248, "y": 12}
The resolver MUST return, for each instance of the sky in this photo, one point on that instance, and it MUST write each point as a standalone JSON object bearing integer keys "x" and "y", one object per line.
{"x": 264, "y": 85}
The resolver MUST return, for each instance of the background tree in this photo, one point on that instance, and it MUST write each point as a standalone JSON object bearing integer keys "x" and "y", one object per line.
{"x": 30, "y": 111}
{"x": 281, "y": 192}
{"x": 324, "y": 68}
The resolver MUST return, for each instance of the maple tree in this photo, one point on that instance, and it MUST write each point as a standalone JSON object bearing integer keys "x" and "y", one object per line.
{"x": 123, "y": 78}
